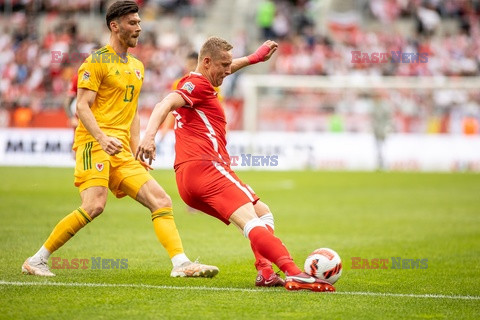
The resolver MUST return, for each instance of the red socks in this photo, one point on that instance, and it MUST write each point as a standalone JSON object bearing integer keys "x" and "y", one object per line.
{"x": 261, "y": 263}
{"x": 267, "y": 247}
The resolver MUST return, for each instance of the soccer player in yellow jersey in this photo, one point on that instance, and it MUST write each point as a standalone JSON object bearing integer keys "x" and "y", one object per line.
{"x": 109, "y": 130}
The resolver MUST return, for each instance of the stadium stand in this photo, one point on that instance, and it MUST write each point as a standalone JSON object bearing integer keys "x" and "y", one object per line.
{"x": 316, "y": 38}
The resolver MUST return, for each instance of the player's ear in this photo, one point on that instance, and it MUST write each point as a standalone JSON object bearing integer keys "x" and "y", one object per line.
{"x": 114, "y": 25}
{"x": 207, "y": 61}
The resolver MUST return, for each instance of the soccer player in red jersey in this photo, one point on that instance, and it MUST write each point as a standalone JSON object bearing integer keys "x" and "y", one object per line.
{"x": 202, "y": 165}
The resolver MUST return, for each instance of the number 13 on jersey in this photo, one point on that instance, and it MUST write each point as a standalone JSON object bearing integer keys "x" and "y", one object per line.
{"x": 128, "y": 93}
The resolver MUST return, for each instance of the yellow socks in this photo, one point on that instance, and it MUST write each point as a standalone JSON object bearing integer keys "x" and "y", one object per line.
{"x": 166, "y": 231}
{"x": 162, "y": 219}
{"x": 66, "y": 228}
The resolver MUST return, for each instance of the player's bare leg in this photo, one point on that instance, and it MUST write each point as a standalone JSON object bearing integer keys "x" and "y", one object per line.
{"x": 152, "y": 196}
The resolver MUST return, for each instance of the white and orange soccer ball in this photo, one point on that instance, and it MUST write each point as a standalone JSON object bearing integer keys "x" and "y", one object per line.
{"x": 325, "y": 264}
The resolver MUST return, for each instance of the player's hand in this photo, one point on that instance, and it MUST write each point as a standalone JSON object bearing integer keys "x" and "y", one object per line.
{"x": 145, "y": 165}
{"x": 111, "y": 145}
{"x": 273, "y": 47}
{"x": 264, "y": 52}
{"x": 146, "y": 150}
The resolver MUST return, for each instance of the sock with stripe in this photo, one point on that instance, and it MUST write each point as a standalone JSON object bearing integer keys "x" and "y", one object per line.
{"x": 166, "y": 231}
{"x": 272, "y": 248}
{"x": 66, "y": 228}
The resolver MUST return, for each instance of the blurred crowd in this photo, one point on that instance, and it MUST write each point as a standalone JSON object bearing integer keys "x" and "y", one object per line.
{"x": 36, "y": 68}
{"x": 449, "y": 50}
{"x": 437, "y": 38}
{"x": 446, "y": 33}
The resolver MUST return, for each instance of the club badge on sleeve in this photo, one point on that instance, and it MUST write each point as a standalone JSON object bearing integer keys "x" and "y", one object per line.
{"x": 86, "y": 76}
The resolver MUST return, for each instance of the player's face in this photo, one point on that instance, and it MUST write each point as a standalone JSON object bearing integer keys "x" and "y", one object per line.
{"x": 129, "y": 30}
{"x": 220, "y": 68}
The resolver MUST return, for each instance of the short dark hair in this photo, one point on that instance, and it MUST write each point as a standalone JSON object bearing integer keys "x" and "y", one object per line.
{"x": 120, "y": 9}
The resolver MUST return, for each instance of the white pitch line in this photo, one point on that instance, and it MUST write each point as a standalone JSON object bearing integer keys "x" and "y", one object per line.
{"x": 203, "y": 288}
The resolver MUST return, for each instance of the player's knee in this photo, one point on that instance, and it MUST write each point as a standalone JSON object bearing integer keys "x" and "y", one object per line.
{"x": 153, "y": 196}
{"x": 251, "y": 224}
{"x": 164, "y": 201}
{"x": 159, "y": 199}
{"x": 261, "y": 208}
{"x": 94, "y": 209}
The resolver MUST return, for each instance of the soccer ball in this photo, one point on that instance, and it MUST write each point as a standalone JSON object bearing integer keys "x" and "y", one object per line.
{"x": 325, "y": 264}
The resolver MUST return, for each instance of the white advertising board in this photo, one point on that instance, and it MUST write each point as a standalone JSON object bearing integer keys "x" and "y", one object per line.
{"x": 273, "y": 151}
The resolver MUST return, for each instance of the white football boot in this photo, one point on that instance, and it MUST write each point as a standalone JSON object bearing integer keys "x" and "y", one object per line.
{"x": 195, "y": 270}
{"x": 37, "y": 268}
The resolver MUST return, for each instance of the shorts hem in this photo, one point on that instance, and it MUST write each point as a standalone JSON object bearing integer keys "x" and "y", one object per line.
{"x": 97, "y": 182}
{"x": 120, "y": 193}
{"x": 228, "y": 215}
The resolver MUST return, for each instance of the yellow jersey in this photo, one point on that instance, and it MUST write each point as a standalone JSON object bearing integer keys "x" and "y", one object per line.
{"x": 117, "y": 83}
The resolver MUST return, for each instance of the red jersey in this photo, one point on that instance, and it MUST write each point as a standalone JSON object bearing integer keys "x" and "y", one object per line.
{"x": 200, "y": 125}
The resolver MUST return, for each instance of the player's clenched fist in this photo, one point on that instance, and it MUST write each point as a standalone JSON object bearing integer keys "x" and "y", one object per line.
{"x": 264, "y": 52}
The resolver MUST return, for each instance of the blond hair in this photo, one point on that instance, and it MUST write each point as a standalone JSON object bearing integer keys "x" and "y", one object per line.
{"x": 213, "y": 47}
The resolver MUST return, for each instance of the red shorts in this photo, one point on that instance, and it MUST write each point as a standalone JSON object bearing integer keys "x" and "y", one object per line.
{"x": 213, "y": 188}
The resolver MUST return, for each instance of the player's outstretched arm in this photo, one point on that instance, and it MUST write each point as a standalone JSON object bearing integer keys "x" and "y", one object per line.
{"x": 146, "y": 149}
{"x": 263, "y": 53}
{"x": 85, "y": 99}
{"x": 167, "y": 126}
{"x": 135, "y": 132}
{"x": 135, "y": 138}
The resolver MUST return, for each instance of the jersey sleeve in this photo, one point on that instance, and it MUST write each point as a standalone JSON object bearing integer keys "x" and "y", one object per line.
{"x": 90, "y": 75}
{"x": 191, "y": 91}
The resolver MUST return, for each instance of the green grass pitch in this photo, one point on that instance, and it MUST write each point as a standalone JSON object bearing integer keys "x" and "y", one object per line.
{"x": 368, "y": 215}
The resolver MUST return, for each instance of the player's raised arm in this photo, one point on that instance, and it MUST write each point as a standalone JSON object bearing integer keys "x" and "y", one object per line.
{"x": 146, "y": 148}
{"x": 263, "y": 53}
